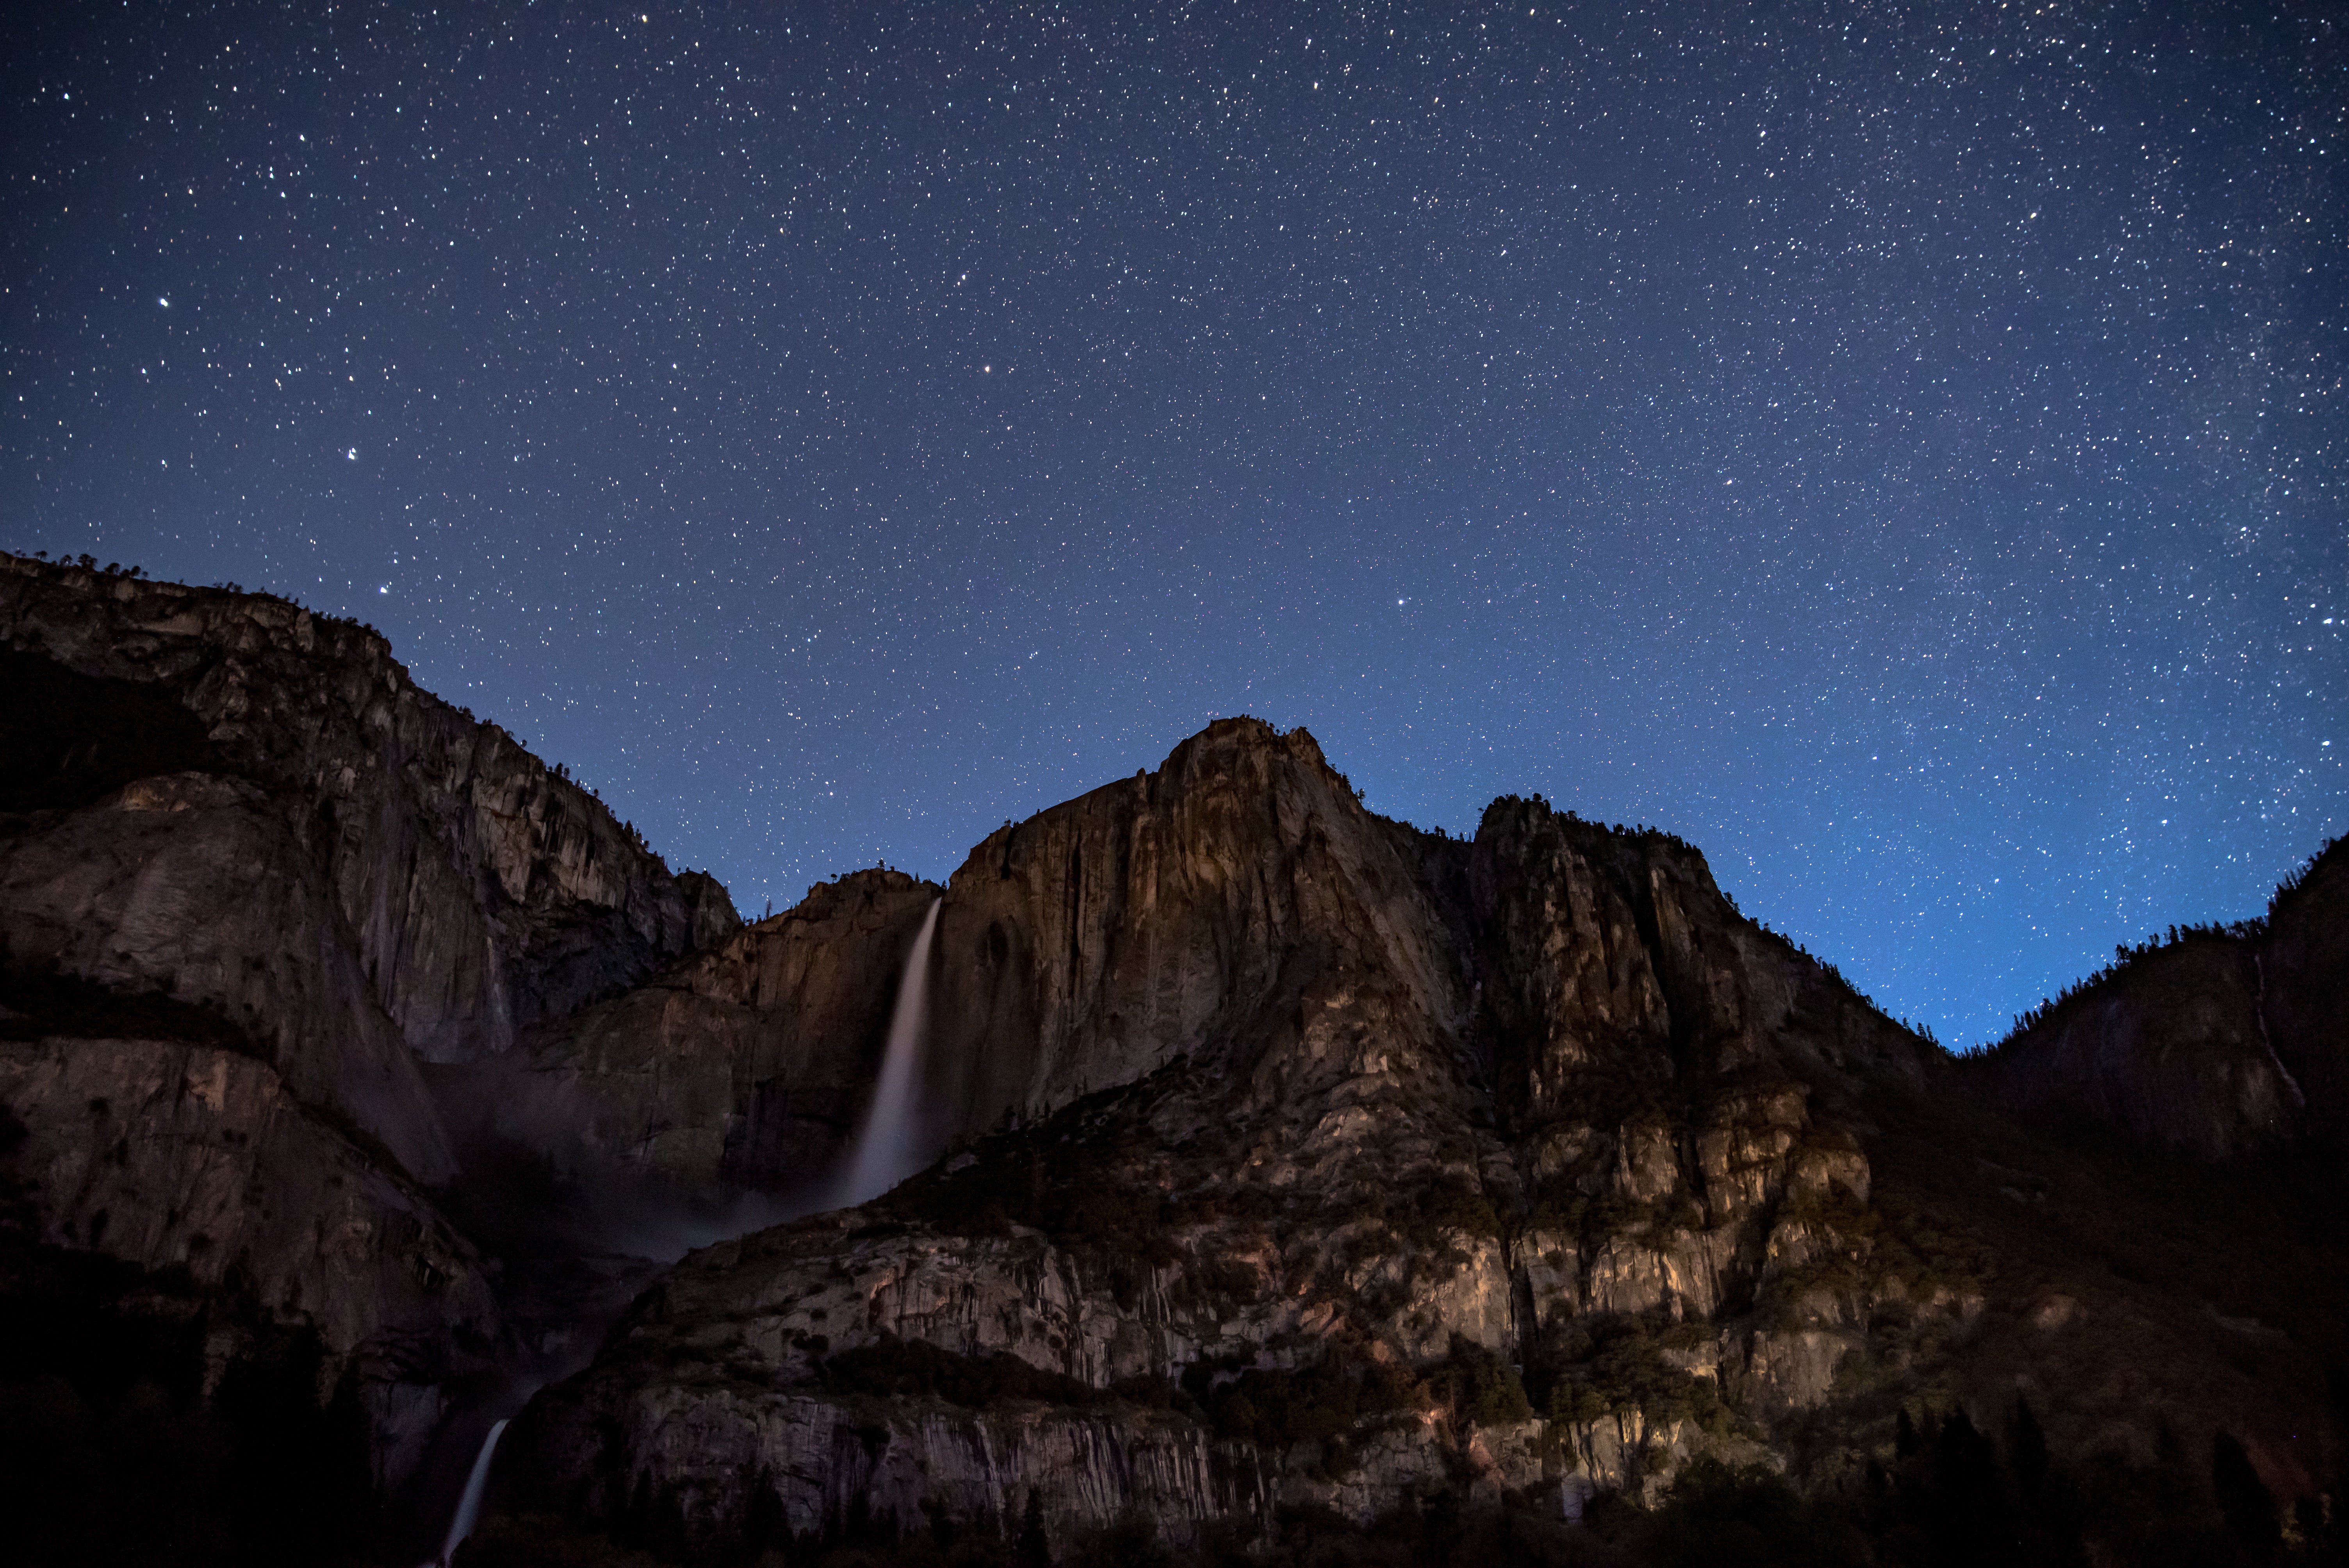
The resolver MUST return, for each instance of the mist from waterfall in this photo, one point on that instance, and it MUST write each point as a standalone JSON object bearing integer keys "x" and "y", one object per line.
{"x": 888, "y": 1151}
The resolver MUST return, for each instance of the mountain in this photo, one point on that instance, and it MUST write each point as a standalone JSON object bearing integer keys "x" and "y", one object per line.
{"x": 253, "y": 885}
{"x": 2216, "y": 1040}
{"x": 1301, "y": 1186}
{"x": 1306, "y": 1166}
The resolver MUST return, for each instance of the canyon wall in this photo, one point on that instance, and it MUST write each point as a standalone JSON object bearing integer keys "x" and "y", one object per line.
{"x": 253, "y": 881}
{"x": 1293, "y": 1164}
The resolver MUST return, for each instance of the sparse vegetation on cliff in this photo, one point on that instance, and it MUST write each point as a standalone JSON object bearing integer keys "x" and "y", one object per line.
{"x": 2128, "y": 955}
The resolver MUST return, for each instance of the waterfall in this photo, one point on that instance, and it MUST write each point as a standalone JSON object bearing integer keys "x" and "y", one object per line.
{"x": 886, "y": 1150}
{"x": 469, "y": 1505}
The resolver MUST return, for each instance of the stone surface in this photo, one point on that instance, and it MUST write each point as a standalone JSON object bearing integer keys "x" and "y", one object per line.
{"x": 242, "y": 822}
{"x": 1289, "y": 1159}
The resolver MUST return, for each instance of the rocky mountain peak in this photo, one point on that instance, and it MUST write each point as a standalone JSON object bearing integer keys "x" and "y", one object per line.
{"x": 1312, "y": 1185}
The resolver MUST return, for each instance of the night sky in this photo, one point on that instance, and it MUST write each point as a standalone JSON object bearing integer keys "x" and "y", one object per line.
{"x": 1901, "y": 450}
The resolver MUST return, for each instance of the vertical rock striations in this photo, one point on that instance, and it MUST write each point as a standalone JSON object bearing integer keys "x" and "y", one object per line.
{"x": 1326, "y": 1162}
{"x": 251, "y": 878}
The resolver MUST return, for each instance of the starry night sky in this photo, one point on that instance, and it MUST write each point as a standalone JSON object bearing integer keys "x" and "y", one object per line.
{"x": 1899, "y": 448}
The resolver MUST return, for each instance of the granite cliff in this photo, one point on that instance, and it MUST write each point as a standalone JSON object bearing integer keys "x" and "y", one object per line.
{"x": 253, "y": 883}
{"x": 1307, "y": 1187}
{"x": 1302, "y": 1166}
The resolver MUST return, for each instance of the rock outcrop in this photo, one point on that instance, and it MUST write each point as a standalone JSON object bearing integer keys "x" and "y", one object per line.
{"x": 1303, "y": 1160}
{"x": 252, "y": 882}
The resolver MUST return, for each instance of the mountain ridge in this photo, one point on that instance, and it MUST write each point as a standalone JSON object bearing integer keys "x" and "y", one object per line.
{"x": 1312, "y": 1182}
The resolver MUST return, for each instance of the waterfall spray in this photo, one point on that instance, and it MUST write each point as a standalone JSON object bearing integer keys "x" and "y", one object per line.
{"x": 469, "y": 1507}
{"x": 887, "y": 1151}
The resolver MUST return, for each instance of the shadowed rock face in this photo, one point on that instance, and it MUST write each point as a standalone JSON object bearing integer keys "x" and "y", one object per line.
{"x": 743, "y": 1068}
{"x": 2302, "y": 969}
{"x": 194, "y": 1159}
{"x": 2218, "y": 1043}
{"x": 235, "y": 821}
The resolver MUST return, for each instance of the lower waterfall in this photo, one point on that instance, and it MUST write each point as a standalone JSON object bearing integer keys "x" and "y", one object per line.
{"x": 469, "y": 1507}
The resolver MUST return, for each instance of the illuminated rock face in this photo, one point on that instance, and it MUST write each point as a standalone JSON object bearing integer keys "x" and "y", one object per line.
{"x": 1251, "y": 1089}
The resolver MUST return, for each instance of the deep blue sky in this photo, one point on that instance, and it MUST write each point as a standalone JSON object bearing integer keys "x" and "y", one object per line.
{"x": 1899, "y": 448}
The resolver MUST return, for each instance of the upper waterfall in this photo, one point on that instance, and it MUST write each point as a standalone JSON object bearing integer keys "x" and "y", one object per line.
{"x": 888, "y": 1149}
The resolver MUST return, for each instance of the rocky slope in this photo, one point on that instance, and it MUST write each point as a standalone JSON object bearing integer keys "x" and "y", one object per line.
{"x": 2217, "y": 1040}
{"x": 252, "y": 882}
{"x": 1302, "y": 1161}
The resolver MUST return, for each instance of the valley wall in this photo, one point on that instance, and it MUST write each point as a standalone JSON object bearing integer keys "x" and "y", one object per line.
{"x": 1293, "y": 1165}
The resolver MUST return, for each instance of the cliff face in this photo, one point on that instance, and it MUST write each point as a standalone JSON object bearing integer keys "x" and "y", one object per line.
{"x": 2223, "y": 1041}
{"x": 1076, "y": 950}
{"x": 1284, "y": 1091}
{"x": 250, "y": 880}
{"x": 743, "y": 1068}
{"x": 1302, "y": 1161}
{"x": 1178, "y": 912}
{"x": 1298, "y": 1170}
{"x": 481, "y": 890}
